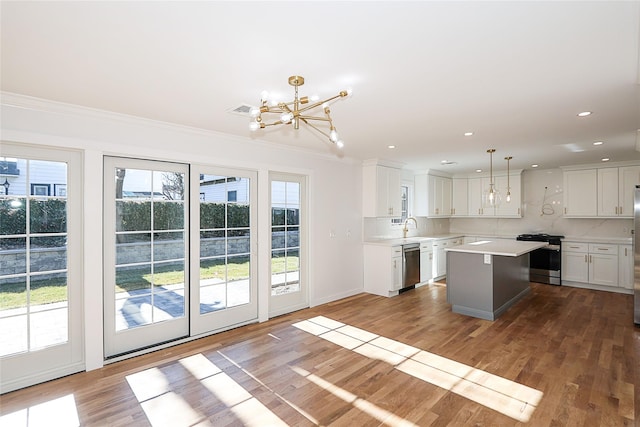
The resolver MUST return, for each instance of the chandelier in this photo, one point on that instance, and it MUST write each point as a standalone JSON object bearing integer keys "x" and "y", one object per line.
{"x": 295, "y": 112}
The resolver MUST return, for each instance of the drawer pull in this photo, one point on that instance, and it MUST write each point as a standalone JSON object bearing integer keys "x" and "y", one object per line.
{"x": 603, "y": 249}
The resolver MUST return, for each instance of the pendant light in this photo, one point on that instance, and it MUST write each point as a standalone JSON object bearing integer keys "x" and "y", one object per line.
{"x": 508, "y": 198}
{"x": 492, "y": 195}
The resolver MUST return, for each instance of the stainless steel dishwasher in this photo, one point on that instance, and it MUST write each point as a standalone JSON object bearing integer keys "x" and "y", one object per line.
{"x": 410, "y": 264}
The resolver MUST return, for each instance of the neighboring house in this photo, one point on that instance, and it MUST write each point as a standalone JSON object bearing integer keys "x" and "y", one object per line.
{"x": 46, "y": 178}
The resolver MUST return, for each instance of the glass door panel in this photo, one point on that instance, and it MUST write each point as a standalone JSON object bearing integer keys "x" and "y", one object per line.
{"x": 288, "y": 289}
{"x": 145, "y": 254}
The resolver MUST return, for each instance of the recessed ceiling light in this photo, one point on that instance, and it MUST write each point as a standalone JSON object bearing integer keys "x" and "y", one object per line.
{"x": 534, "y": 166}
{"x": 468, "y": 133}
{"x": 585, "y": 114}
{"x": 605, "y": 159}
{"x": 392, "y": 146}
{"x": 478, "y": 170}
{"x": 444, "y": 162}
{"x": 598, "y": 143}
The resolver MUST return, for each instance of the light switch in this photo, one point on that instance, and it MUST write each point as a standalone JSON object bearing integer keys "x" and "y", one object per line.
{"x": 487, "y": 258}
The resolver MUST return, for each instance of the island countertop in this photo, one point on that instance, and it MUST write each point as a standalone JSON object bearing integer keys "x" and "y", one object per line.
{"x": 512, "y": 248}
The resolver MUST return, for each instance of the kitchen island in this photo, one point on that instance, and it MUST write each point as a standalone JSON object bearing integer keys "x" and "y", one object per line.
{"x": 485, "y": 278}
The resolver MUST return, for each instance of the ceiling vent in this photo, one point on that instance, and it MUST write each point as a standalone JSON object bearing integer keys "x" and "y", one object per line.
{"x": 242, "y": 109}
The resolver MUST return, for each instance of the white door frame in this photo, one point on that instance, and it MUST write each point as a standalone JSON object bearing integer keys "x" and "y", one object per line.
{"x": 25, "y": 369}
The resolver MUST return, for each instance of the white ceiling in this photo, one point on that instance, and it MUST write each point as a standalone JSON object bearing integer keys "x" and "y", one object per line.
{"x": 422, "y": 73}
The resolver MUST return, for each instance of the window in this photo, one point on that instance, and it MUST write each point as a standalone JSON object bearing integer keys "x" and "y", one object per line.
{"x": 405, "y": 202}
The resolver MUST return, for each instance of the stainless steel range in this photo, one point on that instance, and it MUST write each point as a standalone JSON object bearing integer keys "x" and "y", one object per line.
{"x": 545, "y": 263}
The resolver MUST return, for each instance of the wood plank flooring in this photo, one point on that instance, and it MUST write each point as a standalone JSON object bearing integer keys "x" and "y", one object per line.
{"x": 561, "y": 357}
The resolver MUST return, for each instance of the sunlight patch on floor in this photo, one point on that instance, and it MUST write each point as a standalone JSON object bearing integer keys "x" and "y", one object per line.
{"x": 382, "y": 415}
{"x": 500, "y": 394}
{"x": 164, "y": 406}
{"x": 61, "y": 411}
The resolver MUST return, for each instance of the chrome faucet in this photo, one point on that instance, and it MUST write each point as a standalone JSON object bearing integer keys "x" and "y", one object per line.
{"x": 405, "y": 229}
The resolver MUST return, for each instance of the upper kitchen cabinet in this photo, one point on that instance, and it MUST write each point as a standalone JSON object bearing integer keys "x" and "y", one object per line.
{"x": 615, "y": 190}
{"x": 479, "y": 185}
{"x": 580, "y": 193}
{"x": 459, "y": 197}
{"x": 476, "y": 188}
{"x": 511, "y": 185}
{"x": 382, "y": 195}
{"x": 432, "y": 195}
{"x": 600, "y": 192}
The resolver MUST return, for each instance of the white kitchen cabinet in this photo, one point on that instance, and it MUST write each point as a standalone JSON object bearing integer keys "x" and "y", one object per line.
{"x": 382, "y": 269}
{"x": 590, "y": 263}
{"x": 439, "y": 196}
{"x": 382, "y": 194}
{"x": 396, "y": 265}
{"x": 600, "y": 192}
{"x": 575, "y": 266}
{"x": 603, "y": 269}
{"x": 476, "y": 188}
{"x": 512, "y": 208}
{"x": 459, "y": 197}
{"x": 432, "y": 196}
{"x": 580, "y": 193}
{"x": 625, "y": 267}
{"x": 628, "y": 178}
{"x": 426, "y": 261}
{"x": 440, "y": 256}
{"x": 615, "y": 190}
{"x": 608, "y": 192}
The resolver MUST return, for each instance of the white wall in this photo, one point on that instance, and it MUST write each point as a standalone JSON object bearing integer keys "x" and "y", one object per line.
{"x": 551, "y": 222}
{"x": 335, "y": 222}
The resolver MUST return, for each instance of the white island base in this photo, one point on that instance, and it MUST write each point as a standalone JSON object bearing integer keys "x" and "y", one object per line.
{"x": 485, "y": 280}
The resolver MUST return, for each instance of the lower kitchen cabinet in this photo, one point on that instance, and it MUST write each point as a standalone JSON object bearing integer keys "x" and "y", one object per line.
{"x": 439, "y": 263}
{"x": 590, "y": 263}
{"x": 426, "y": 261}
{"x": 382, "y": 269}
{"x": 625, "y": 267}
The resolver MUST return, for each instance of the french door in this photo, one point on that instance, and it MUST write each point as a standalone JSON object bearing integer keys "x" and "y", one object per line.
{"x": 146, "y": 267}
{"x": 179, "y": 252}
{"x": 40, "y": 265}
{"x": 223, "y": 269}
{"x": 289, "y": 290}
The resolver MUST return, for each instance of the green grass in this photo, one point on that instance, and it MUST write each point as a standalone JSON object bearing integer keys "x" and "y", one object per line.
{"x": 55, "y": 290}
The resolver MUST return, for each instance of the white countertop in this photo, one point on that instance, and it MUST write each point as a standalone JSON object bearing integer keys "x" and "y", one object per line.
{"x": 610, "y": 240}
{"x": 512, "y": 248}
{"x": 416, "y": 239}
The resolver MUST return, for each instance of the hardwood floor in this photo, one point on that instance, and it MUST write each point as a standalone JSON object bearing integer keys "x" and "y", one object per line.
{"x": 560, "y": 357}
